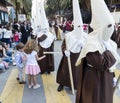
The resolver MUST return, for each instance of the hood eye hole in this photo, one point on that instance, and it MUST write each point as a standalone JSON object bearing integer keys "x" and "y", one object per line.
{"x": 109, "y": 25}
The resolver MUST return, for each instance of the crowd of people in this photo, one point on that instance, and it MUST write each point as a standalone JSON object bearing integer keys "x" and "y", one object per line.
{"x": 63, "y": 25}
{"x": 13, "y": 33}
{"x": 10, "y": 36}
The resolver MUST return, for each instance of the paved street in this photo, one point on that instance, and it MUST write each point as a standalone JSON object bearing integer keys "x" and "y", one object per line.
{"x": 12, "y": 92}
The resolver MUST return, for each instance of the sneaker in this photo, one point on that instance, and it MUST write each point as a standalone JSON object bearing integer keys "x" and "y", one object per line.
{"x": 30, "y": 86}
{"x": 36, "y": 86}
{"x": 14, "y": 64}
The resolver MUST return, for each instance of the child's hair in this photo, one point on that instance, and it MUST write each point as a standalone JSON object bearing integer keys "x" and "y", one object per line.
{"x": 20, "y": 46}
{"x": 30, "y": 46}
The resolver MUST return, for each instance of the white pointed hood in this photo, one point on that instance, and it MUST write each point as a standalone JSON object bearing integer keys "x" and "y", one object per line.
{"x": 99, "y": 39}
{"x": 44, "y": 27}
{"x": 101, "y": 18}
{"x": 44, "y": 22}
{"x": 36, "y": 18}
{"x": 33, "y": 12}
{"x": 75, "y": 39}
{"x": 78, "y": 23}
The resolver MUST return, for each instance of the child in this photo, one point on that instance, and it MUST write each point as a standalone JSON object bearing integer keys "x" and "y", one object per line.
{"x": 32, "y": 67}
{"x": 16, "y": 37}
{"x": 20, "y": 60}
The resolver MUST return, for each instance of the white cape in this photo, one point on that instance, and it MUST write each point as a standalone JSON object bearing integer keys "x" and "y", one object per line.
{"x": 48, "y": 41}
{"x": 75, "y": 44}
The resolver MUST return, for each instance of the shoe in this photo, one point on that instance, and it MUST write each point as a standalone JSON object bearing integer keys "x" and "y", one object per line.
{"x": 48, "y": 72}
{"x": 14, "y": 64}
{"x": 60, "y": 88}
{"x": 22, "y": 82}
{"x": 30, "y": 86}
{"x": 17, "y": 78}
{"x": 36, "y": 86}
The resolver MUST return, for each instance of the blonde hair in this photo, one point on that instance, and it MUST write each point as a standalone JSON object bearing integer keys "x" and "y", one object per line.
{"x": 30, "y": 46}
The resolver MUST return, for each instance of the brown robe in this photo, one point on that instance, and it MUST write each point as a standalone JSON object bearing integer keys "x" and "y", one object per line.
{"x": 46, "y": 64}
{"x": 63, "y": 77}
{"x": 95, "y": 83}
{"x": 118, "y": 37}
{"x": 114, "y": 36}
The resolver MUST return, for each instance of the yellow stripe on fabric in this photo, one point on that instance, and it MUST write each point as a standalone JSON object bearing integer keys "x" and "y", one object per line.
{"x": 13, "y": 91}
{"x": 50, "y": 88}
{"x": 116, "y": 96}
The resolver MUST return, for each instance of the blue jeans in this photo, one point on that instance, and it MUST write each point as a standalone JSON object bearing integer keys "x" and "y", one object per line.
{"x": 7, "y": 41}
{"x": 9, "y": 53}
{"x": 7, "y": 59}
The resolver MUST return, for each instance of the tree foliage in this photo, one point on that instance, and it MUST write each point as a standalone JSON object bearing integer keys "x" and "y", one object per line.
{"x": 27, "y": 5}
{"x": 22, "y": 4}
{"x": 55, "y": 6}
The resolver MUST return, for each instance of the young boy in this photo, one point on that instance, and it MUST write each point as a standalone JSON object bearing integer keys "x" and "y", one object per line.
{"x": 20, "y": 62}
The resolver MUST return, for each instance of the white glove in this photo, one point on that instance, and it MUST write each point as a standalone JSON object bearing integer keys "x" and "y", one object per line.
{"x": 114, "y": 81}
{"x": 67, "y": 53}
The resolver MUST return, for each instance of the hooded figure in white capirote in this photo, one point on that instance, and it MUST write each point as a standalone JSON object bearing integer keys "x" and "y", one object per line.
{"x": 45, "y": 38}
{"x": 40, "y": 23}
{"x": 75, "y": 40}
{"x": 98, "y": 58}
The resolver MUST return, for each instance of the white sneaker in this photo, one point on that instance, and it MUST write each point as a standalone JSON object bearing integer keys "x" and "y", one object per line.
{"x": 36, "y": 86}
{"x": 14, "y": 64}
{"x": 30, "y": 86}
